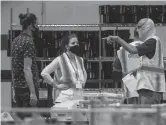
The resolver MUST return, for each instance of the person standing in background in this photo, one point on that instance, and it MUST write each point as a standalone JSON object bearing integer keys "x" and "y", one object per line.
{"x": 24, "y": 66}
{"x": 150, "y": 73}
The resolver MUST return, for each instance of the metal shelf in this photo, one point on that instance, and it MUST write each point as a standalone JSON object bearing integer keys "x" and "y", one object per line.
{"x": 61, "y": 25}
{"x": 127, "y": 24}
{"x": 97, "y": 80}
{"x": 104, "y": 89}
{"x": 42, "y": 59}
{"x": 100, "y": 60}
{"x": 103, "y": 59}
{"x": 90, "y": 25}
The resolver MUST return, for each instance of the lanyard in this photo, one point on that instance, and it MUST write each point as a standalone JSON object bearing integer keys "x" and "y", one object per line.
{"x": 76, "y": 72}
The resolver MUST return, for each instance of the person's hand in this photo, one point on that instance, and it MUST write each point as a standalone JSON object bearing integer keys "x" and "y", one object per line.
{"x": 63, "y": 86}
{"x": 33, "y": 99}
{"x": 110, "y": 39}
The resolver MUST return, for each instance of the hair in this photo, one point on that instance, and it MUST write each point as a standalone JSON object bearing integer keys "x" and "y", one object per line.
{"x": 27, "y": 19}
{"x": 65, "y": 41}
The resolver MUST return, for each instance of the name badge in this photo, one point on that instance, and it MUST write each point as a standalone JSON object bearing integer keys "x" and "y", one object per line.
{"x": 79, "y": 85}
{"x": 43, "y": 93}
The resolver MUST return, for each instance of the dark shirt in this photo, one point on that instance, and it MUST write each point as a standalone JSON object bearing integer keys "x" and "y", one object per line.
{"x": 147, "y": 48}
{"x": 23, "y": 47}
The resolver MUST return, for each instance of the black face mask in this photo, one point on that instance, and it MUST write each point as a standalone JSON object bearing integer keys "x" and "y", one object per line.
{"x": 75, "y": 49}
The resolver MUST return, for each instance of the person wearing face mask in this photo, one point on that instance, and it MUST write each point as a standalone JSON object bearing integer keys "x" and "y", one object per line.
{"x": 150, "y": 72}
{"x": 24, "y": 66}
{"x": 69, "y": 70}
{"x": 123, "y": 63}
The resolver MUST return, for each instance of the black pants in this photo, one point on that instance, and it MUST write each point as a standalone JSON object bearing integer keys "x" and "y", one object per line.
{"x": 22, "y": 96}
{"x": 149, "y": 97}
{"x": 132, "y": 100}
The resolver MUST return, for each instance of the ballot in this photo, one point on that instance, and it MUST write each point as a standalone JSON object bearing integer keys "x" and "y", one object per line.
{"x": 130, "y": 82}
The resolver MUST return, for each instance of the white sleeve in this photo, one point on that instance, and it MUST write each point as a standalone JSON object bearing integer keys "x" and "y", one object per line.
{"x": 49, "y": 69}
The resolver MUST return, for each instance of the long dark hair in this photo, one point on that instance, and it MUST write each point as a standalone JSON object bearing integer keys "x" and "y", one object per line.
{"x": 65, "y": 41}
{"x": 27, "y": 19}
